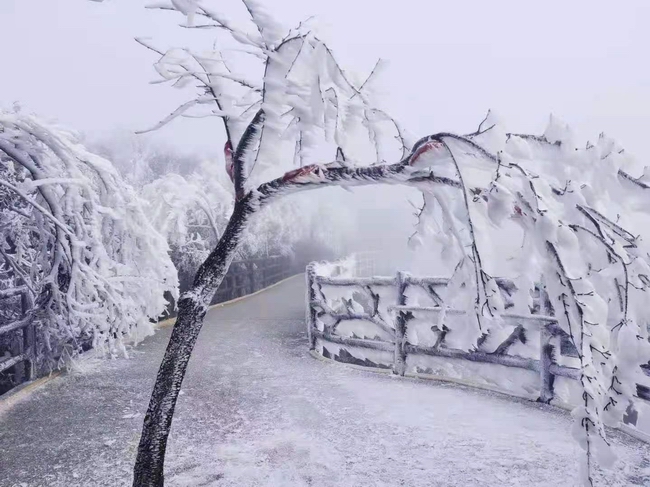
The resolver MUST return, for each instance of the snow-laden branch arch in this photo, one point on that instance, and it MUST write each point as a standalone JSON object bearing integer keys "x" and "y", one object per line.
{"x": 572, "y": 206}
{"x": 75, "y": 235}
{"x": 566, "y": 205}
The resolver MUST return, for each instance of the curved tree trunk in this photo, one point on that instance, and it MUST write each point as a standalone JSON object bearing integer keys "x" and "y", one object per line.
{"x": 193, "y": 304}
{"x": 192, "y": 308}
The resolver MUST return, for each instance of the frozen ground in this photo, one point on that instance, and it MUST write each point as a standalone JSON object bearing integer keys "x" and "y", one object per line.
{"x": 257, "y": 410}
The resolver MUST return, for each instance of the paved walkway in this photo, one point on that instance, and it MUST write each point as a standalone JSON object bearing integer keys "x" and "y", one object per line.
{"x": 257, "y": 410}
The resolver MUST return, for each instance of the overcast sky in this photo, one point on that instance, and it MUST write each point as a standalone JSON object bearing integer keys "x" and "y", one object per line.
{"x": 585, "y": 61}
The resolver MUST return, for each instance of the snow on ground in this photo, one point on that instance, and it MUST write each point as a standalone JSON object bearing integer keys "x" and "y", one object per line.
{"x": 257, "y": 410}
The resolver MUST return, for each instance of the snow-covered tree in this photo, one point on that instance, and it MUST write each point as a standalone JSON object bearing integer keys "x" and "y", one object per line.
{"x": 192, "y": 213}
{"x": 75, "y": 241}
{"x": 566, "y": 204}
{"x": 189, "y": 198}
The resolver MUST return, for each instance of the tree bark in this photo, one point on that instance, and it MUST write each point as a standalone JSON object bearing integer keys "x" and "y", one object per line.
{"x": 192, "y": 308}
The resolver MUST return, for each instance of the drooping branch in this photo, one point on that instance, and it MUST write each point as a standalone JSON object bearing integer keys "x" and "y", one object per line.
{"x": 208, "y": 86}
{"x": 571, "y": 302}
{"x": 476, "y": 261}
{"x": 619, "y": 258}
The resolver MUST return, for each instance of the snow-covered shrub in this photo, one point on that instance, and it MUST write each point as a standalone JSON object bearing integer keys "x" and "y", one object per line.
{"x": 74, "y": 235}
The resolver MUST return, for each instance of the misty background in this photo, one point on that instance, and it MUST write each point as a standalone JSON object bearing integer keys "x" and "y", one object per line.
{"x": 449, "y": 63}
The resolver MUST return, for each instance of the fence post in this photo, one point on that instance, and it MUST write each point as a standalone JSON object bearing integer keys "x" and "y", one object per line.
{"x": 29, "y": 339}
{"x": 399, "y": 366}
{"x": 251, "y": 277}
{"x": 310, "y": 276}
{"x": 545, "y": 352}
{"x": 545, "y": 360}
{"x": 18, "y": 348}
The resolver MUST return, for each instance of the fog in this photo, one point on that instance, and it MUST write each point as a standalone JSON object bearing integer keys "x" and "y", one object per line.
{"x": 449, "y": 63}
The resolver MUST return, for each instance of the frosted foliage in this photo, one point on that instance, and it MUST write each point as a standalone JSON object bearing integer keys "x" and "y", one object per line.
{"x": 75, "y": 237}
{"x": 545, "y": 211}
{"x": 189, "y": 217}
{"x": 310, "y": 104}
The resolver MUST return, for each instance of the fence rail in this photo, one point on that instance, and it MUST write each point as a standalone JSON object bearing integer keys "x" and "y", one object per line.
{"x": 248, "y": 276}
{"x": 18, "y": 340}
{"x": 393, "y": 323}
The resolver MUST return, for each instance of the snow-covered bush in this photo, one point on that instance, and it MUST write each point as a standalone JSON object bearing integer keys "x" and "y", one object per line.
{"x": 74, "y": 235}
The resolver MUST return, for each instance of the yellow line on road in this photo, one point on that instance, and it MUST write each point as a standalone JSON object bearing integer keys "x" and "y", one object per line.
{"x": 20, "y": 392}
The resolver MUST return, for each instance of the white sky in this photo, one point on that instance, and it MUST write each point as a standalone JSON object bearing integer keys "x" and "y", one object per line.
{"x": 585, "y": 61}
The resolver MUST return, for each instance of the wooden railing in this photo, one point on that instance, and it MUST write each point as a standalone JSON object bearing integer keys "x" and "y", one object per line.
{"x": 17, "y": 339}
{"x": 392, "y": 322}
{"x": 247, "y": 276}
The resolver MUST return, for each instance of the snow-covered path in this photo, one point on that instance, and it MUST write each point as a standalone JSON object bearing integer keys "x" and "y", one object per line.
{"x": 257, "y": 410}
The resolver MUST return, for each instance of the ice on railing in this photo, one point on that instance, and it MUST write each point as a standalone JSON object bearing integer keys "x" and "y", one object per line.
{"x": 510, "y": 358}
{"x": 362, "y": 329}
{"x": 357, "y": 300}
{"x": 340, "y": 268}
{"x": 518, "y": 382}
{"x": 379, "y": 358}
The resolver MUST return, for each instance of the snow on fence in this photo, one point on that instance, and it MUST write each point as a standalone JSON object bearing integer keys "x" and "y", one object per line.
{"x": 18, "y": 338}
{"x": 401, "y": 323}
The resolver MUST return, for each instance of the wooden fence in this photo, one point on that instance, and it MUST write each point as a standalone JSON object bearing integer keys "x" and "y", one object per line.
{"x": 17, "y": 339}
{"x": 393, "y": 321}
